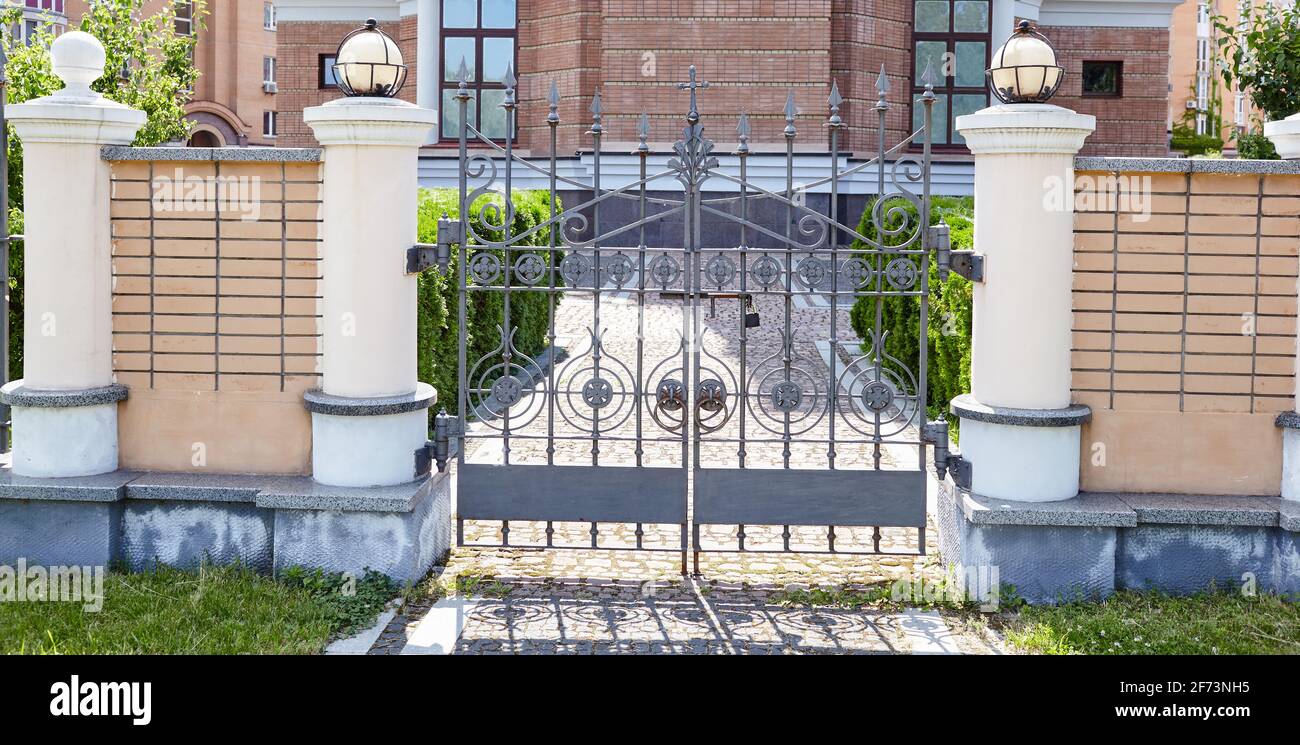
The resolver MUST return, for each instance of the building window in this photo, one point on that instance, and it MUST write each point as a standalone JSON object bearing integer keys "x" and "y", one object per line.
{"x": 268, "y": 16}
{"x": 326, "y": 79}
{"x": 38, "y": 15}
{"x": 952, "y": 37}
{"x": 184, "y": 17}
{"x": 268, "y": 74}
{"x": 270, "y": 123}
{"x": 1103, "y": 79}
{"x": 483, "y": 34}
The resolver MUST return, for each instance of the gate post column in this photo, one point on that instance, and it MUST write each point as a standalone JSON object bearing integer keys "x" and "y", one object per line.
{"x": 370, "y": 418}
{"x": 1018, "y": 428}
{"x": 65, "y": 407}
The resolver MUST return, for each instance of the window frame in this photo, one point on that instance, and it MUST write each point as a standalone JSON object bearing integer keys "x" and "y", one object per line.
{"x": 322, "y": 68}
{"x": 268, "y": 17}
{"x": 187, "y": 19}
{"x": 269, "y": 65}
{"x": 949, "y": 85}
{"x": 1119, "y": 78}
{"x": 478, "y": 33}
{"x": 270, "y": 124}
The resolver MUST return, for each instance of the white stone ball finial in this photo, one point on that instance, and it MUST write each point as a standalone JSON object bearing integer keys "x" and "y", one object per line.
{"x": 78, "y": 60}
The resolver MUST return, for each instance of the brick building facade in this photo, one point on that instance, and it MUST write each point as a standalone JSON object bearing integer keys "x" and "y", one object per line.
{"x": 753, "y": 53}
{"x": 234, "y": 102}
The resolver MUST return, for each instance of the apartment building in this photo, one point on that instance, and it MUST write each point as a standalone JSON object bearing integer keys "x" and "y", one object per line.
{"x": 234, "y": 100}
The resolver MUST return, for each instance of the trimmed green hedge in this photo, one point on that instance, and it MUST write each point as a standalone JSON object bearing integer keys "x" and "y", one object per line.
{"x": 483, "y": 313}
{"x": 949, "y": 328}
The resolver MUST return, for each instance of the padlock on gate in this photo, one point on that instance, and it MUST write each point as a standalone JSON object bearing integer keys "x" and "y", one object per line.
{"x": 751, "y": 314}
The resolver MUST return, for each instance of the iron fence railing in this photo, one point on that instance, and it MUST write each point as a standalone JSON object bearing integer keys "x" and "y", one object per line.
{"x": 7, "y": 241}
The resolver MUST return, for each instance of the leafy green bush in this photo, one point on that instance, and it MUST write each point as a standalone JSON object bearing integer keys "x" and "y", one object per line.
{"x": 350, "y": 603}
{"x": 484, "y": 311}
{"x": 1255, "y": 146}
{"x": 1262, "y": 55}
{"x": 949, "y": 328}
{"x": 1186, "y": 141}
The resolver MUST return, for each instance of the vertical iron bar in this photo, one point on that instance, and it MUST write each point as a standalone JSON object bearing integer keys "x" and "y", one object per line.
{"x": 642, "y": 150}
{"x": 597, "y": 277}
{"x": 552, "y": 121}
{"x": 462, "y": 395}
{"x": 787, "y": 344}
{"x": 834, "y": 124}
{"x": 878, "y": 336}
{"x": 742, "y": 395}
{"x": 507, "y": 227}
{"x": 923, "y": 374}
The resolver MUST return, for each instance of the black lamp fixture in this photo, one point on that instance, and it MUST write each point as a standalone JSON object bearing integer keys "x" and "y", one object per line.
{"x": 1025, "y": 69}
{"x": 368, "y": 63}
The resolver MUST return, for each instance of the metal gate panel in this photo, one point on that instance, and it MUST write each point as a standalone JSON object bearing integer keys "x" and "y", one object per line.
{"x": 758, "y": 496}
{"x": 857, "y": 405}
{"x": 581, "y": 494}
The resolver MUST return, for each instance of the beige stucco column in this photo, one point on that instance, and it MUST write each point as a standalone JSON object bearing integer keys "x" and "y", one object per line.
{"x": 370, "y": 417}
{"x": 65, "y": 407}
{"x": 1019, "y": 430}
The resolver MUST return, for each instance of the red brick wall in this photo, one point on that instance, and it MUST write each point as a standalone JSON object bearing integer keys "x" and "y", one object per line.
{"x": 300, "y": 45}
{"x": 1135, "y": 123}
{"x": 866, "y": 34}
{"x": 558, "y": 40}
{"x": 752, "y": 52}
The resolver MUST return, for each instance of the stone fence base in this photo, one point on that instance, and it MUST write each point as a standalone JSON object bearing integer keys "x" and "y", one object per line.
{"x": 268, "y": 523}
{"x": 1094, "y": 544}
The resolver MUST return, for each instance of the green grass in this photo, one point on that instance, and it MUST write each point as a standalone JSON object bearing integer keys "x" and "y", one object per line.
{"x": 1153, "y": 623}
{"x": 214, "y": 610}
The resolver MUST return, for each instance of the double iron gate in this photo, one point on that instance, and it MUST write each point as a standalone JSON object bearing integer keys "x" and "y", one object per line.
{"x": 668, "y": 418}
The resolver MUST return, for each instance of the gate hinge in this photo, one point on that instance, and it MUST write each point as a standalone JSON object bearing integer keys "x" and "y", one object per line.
{"x": 447, "y": 432}
{"x": 423, "y": 256}
{"x": 945, "y": 459}
{"x": 965, "y": 263}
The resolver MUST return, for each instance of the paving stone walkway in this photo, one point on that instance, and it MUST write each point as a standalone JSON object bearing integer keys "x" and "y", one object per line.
{"x": 535, "y": 601}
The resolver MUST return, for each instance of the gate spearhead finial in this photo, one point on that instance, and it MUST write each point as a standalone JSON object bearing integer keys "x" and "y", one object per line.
{"x": 554, "y": 100}
{"x": 834, "y": 101}
{"x": 882, "y": 90}
{"x": 742, "y": 130}
{"x": 462, "y": 77}
{"x": 790, "y": 112}
{"x": 596, "y": 115}
{"x": 509, "y": 81}
{"x": 927, "y": 80}
{"x": 643, "y": 133}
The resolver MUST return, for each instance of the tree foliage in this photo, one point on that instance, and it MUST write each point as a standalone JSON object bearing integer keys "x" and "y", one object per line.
{"x": 1262, "y": 55}
{"x": 948, "y": 331}
{"x": 149, "y": 66}
{"x": 438, "y": 323}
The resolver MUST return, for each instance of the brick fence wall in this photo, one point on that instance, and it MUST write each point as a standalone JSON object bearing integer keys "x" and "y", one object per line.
{"x": 1135, "y": 124}
{"x": 1184, "y": 325}
{"x": 215, "y": 313}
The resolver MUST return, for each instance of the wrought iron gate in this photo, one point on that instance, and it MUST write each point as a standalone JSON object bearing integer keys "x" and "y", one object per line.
{"x": 745, "y": 419}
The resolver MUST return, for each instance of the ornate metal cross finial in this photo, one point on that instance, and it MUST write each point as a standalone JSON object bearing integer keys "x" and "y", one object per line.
{"x": 692, "y": 85}
{"x": 554, "y": 100}
{"x": 882, "y": 90}
{"x": 834, "y": 101}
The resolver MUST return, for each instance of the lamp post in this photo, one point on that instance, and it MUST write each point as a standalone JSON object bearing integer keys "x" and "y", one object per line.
{"x": 1019, "y": 430}
{"x": 1024, "y": 69}
{"x": 369, "y": 418}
